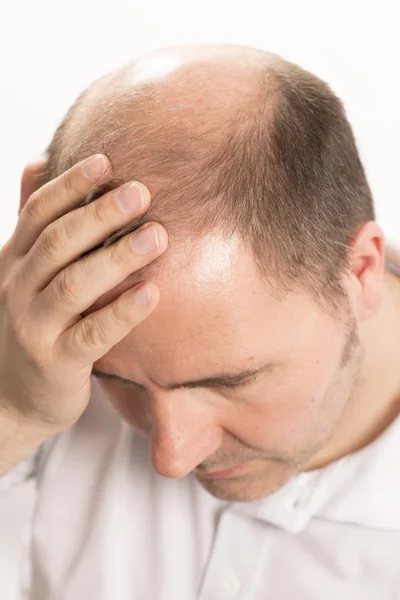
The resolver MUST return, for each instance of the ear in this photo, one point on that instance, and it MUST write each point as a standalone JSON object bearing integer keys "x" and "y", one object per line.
{"x": 30, "y": 181}
{"x": 367, "y": 260}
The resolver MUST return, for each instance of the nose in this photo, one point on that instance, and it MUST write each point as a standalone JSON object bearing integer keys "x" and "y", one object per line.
{"x": 184, "y": 433}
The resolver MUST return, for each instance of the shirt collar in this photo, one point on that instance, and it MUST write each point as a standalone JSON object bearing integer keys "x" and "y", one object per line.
{"x": 361, "y": 488}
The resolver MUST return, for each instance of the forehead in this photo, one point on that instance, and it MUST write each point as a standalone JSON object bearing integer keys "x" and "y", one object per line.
{"x": 214, "y": 309}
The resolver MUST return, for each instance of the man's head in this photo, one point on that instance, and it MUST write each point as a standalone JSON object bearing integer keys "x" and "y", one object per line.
{"x": 274, "y": 262}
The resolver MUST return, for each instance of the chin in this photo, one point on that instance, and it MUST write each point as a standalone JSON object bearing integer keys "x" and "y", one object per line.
{"x": 249, "y": 487}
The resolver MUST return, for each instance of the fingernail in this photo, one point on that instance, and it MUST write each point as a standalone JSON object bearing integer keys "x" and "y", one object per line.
{"x": 145, "y": 239}
{"x": 142, "y": 296}
{"x": 130, "y": 198}
{"x": 94, "y": 167}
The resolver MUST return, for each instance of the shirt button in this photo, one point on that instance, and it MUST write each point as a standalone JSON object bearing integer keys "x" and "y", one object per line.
{"x": 229, "y": 587}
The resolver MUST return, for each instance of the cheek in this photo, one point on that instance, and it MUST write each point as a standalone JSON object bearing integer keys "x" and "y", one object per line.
{"x": 282, "y": 412}
{"x": 131, "y": 405}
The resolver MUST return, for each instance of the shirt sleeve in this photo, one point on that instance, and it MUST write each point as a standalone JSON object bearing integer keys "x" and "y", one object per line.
{"x": 21, "y": 472}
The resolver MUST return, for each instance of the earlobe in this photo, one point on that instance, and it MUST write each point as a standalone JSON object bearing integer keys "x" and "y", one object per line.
{"x": 371, "y": 296}
{"x": 30, "y": 181}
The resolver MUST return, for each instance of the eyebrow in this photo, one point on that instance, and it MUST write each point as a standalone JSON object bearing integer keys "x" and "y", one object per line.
{"x": 219, "y": 380}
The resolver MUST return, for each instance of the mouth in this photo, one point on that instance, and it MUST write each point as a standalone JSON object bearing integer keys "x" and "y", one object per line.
{"x": 232, "y": 472}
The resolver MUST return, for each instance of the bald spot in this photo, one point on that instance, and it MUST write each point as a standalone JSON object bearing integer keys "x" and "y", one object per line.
{"x": 168, "y": 119}
{"x": 232, "y": 141}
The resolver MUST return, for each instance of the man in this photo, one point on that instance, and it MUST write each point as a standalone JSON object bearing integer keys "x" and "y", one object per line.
{"x": 243, "y": 440}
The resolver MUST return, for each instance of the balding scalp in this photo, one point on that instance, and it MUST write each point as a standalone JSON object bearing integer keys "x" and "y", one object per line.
{"x": 235, "y": 140}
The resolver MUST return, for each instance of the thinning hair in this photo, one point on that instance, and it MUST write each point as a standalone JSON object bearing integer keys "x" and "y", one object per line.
{"x": 264, "y": 152}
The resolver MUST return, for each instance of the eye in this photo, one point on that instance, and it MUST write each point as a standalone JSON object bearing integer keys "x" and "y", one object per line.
{"x": 242, "y": 384}
{"x": 131, "y": 385}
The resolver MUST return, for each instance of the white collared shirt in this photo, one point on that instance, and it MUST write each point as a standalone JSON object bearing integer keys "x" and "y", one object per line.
{"x": 107, "y": 527}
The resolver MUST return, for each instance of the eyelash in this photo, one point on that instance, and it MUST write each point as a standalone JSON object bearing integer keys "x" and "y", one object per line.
{"x": 242, "y": 384}
{"x": 226, "y": 387}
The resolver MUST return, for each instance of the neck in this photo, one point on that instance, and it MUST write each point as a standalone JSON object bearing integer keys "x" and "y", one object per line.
{"x": 375, "y": 401}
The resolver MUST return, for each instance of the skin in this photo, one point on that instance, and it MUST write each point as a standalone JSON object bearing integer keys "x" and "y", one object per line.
{"x": 334, "y": 386}
{"x": 216, "y": 315}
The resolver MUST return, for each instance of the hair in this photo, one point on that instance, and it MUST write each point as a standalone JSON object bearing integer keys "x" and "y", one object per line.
{"x": 265, "y": 153}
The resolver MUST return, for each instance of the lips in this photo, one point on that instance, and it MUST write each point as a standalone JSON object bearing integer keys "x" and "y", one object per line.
{"x": 226, "y": 473}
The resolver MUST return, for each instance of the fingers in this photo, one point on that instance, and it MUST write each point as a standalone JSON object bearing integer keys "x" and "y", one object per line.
{"x": 97, "y": 333}
{"x": 78, "y": 286}
{"x": 53, "y": 275}
{"x": 56, "y": 198}
{"x": 74, "y": 234}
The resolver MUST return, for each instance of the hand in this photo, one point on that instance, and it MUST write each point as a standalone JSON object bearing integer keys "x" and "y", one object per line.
{"x": 47, "y": 348}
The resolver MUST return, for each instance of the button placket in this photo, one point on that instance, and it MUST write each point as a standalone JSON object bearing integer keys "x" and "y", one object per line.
{"x": 237, "y": 551}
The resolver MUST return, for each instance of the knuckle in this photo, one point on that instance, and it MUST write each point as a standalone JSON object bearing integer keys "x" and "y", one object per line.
{"x": 92, "y": 333}
{"x": 69, "y": 182}
{"x": 117, "y": 314}
{"x": 34, "y": 207}
{"x": 97, "y": 212}
{"x": 66, "y": 287}
{"x": 52, "y": 241}
{"x": 118, "y": 255}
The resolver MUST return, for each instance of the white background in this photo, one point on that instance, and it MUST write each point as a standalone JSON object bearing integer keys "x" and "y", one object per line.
{"x": 50, "y": 51}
